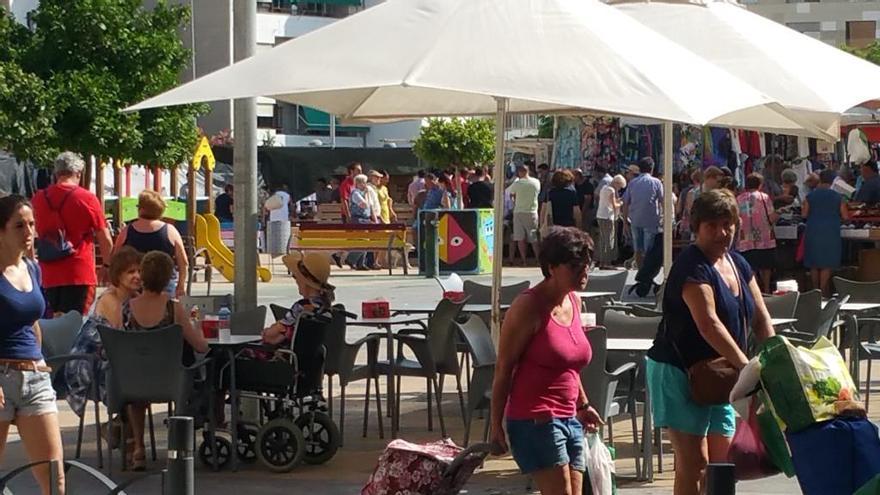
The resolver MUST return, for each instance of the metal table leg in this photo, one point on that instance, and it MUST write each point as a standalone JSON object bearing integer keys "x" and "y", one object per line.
{"x": 647, "y": 438}
{"x": 392, "y": 401}
{"x": 233, "y": 417}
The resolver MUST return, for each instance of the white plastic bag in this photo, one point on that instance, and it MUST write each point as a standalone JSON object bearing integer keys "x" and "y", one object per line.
{"x": 600, "y": 465}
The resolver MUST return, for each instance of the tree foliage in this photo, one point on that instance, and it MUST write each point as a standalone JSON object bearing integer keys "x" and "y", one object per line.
{"x": 95, "y": 57}
{"x": 456, "y": 142}
{"x": 871, "y": 53}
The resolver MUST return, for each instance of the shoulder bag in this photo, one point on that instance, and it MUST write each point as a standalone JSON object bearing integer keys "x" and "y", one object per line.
{"x": 53, "y": 244}
{"x": 711, "y": 380}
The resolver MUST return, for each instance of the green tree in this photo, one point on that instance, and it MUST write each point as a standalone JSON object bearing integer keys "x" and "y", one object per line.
{"x": 545, "y": 126}
{"x": 871, "y": 53}
{"x": 27, "y": 114}
{"x": 456, "y": 142}
{"x": 99, "y": 56}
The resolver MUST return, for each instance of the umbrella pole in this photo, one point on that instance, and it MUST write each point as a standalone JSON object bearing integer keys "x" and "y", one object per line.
{"x": 668, "y": 207}
{"x": 498, "y": 238}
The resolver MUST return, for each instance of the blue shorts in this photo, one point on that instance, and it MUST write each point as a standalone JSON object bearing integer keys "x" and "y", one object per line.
{"x": 673, "y": 407}
{"x": 643, "y": 238}
{"x": 542, "y": 445}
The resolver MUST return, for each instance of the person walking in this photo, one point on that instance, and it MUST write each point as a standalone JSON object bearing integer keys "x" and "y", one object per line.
{"x": 148, "y": 232}
{"x": 756, "y": 241}
{"x": 223, "y": 204}
{"x": 480, "y": 191}
{"x": 67, "y": 212}
{"x": 361, "y": 210}
{"x": 711, "y": 300}
{"x": 525, "y": 191}
{"x": 537, "y": 395}
{"x": 824, "y": 209}
{"x": 643, "y": 208}
{"x": 345, "y": 188}
{"x": 278, "y": 227}
{"x": 607, "y": 214}
{"x": 27, "y": 398}
{"x": 563, "y": 204}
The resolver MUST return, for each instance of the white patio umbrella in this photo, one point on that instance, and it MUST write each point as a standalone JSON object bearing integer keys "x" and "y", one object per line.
{"x": 413, "y": 58}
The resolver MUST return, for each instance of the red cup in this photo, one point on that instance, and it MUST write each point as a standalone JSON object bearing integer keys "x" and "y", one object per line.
{"x": 210, "y": 328}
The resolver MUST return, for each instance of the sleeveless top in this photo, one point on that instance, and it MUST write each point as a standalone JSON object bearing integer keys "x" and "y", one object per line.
{"x": 150, "y": 241}
{"x": 20, "y": 310}
{"x": 130, "y": 324}
{"x": 546, "y": 381}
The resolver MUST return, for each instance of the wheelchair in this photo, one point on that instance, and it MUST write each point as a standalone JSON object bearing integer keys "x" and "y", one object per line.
{"x": 293, "y": 425}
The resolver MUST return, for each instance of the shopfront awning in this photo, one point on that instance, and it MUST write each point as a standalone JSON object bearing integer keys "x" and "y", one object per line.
{"x": 317, "y": 120}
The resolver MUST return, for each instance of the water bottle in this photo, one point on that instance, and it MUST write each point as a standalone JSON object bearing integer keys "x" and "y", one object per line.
{"x": 224, "y": 316}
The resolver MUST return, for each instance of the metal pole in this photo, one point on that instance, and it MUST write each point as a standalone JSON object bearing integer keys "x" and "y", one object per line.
{"x": 333, "y": 132}
{"x": 245, "y": 165}
{"x": 668, "y": 208}
{"x": 498, "y": 235}
{"x": 181, "y": 478}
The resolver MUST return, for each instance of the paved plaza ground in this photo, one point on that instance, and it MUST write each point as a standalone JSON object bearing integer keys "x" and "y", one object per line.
{"x": 347, "y": 472}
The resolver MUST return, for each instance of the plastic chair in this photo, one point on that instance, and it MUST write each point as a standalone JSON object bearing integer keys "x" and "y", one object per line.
{"x": 482, "y": 294}
{"x": 341, "y": 361}
{"x": 601, "y": 386}
{"x": 632, "y": 310}
{"x": 479, "y": 342}
{"x": 208, "y": 305}
{"x": 278, "y": 311}
{"x": 436, "y": 356}
{"x": 783, "y": 306}
{"x": 807, "y": 311}
{"x": 145, "y": 367}
{"x": 59, "y": 335}
{"x": 614, "y": 282}
{"x": 248, "y": 322}
{"x": 858, "y": 292}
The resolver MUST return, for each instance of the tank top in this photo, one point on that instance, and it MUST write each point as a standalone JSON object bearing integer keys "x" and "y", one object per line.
{"x": 20, "y": 310}
{"x": 546, "y": 381}
{"x": 129, "y": 323}
{"x": 150, "y": 241}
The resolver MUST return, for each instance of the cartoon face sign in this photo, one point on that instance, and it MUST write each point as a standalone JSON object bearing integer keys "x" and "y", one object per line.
{"x": 455, "y": 244}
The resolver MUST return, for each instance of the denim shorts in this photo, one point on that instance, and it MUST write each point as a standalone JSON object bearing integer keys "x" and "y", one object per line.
{"x": 673, "y": 407}
{"x": 538, "y": 445}
{"x": 27, "y": 393}
{"x": 643, "y": 238}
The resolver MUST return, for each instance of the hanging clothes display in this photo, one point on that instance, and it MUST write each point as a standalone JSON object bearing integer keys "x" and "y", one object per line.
{"x": 567, "y": 146}
{"x": 690, "y": 147}
{"x": 600, "y": 142}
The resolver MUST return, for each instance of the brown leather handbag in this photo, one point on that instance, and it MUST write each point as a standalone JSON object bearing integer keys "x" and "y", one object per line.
{"x": 711, "y": 380}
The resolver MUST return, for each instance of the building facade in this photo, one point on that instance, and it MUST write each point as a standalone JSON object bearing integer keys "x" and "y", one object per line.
{"x": 836, "y": 22}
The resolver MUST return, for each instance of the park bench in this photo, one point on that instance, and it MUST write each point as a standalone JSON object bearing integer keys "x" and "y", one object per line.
{"x": 353, "y": 237}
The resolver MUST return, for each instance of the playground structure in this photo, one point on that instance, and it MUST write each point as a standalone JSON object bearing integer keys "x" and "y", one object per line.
{"x": 202, "y": 232}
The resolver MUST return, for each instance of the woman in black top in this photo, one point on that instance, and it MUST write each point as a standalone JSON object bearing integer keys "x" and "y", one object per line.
{"x": 564, "y": 201}
{"x": 149, "y": 233}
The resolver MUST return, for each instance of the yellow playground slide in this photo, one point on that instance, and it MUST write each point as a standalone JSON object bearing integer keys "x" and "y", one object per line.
{"x": 222, "y": 258}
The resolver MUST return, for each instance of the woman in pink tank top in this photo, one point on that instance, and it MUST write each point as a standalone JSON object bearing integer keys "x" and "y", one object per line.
{"x": 537, "y": 392}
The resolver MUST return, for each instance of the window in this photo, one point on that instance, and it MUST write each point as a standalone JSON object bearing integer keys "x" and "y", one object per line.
{"x": 804, "y": 27}
{"x": 860, "y": 34}
{"x": 266, "y": 122}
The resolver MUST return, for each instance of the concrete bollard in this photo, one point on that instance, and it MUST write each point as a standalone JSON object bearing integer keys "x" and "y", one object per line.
{"x": 180, "y": 478}
{"x": 720, "y": 479}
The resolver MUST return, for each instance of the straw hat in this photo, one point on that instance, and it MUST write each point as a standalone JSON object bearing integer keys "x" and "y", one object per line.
{"x": 312, "y": 268}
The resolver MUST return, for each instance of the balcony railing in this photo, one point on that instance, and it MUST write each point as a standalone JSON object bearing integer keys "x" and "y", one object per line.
{"x": 321, "y": 8}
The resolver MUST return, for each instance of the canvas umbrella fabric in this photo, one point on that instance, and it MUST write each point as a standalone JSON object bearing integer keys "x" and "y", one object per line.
{"x": 412, "y": 58}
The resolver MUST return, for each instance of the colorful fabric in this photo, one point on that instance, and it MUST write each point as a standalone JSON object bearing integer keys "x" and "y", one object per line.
{"x": 413, "y": 469}
{"x": 359, "y": 205}
{"x": 78, "y": 374}
{"x": 755, "y": 231}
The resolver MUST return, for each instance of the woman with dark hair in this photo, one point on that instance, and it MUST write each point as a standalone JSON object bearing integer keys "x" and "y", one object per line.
{"x": 710, "y": 302}
{"x": 537, "y": 387}
{"x": 563, "y": 201}
{"x": 756, "y": 241}
{"x": 151, "y": 310}
{"x": 148, "y": 232}
{"x": 26, "y": 394}
{"x": 824, "y": 209}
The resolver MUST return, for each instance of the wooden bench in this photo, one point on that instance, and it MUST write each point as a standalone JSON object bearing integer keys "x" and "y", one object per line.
{"x": 353, "y": 237}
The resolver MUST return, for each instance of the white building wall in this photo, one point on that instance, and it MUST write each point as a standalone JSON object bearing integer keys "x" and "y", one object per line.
{"x": 20, "y": 8}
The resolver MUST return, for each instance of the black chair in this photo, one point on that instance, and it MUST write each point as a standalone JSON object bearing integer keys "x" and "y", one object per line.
{"x": 208, "y": 305}
{"x": 145, "y": 367}
{"x": 278, "y": 312}
{"x": 59, "y": 335}
{"x": 248, "y": 322}
{"x": 341, "y": 361}
{"x": 482, "y": 294}
{"x": 436, "y": 356}
{"x": 807, "y": 311}
{"x": 482, "y": 350}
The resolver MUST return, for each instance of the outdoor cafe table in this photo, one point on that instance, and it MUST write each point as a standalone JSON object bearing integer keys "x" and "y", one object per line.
{"x": 640, "y": 346}
{"x": 410, "y": 309}
{"x": 230, "y": 346}
{"x": 388, "y": 324}
{"x": 778, "y": 322}
{"x": 594, "y": 295}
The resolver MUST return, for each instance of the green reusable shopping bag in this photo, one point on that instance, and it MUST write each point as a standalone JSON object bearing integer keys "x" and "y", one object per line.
{"x": 870, "y": 488}
{"x": 773, "y": 438}
{"x": 805, "y": 386}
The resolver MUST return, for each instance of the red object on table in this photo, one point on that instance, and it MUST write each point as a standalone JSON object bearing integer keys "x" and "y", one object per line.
{"x": 454, "y": 295}
{"x": 210, "y": 328}
{"x": 375, "y": 309}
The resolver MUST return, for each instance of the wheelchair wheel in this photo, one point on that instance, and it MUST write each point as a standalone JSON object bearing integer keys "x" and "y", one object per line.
{"x": 247, "y": 442}
{"x": 321, "y": 436}
{"x": 280, "y": 445}
{"x": 224, "y": 452}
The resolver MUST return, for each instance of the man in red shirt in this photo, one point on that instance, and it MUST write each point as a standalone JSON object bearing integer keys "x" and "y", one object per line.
{"x": 69, "y": 282}
{"x": 354, "y": 168}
